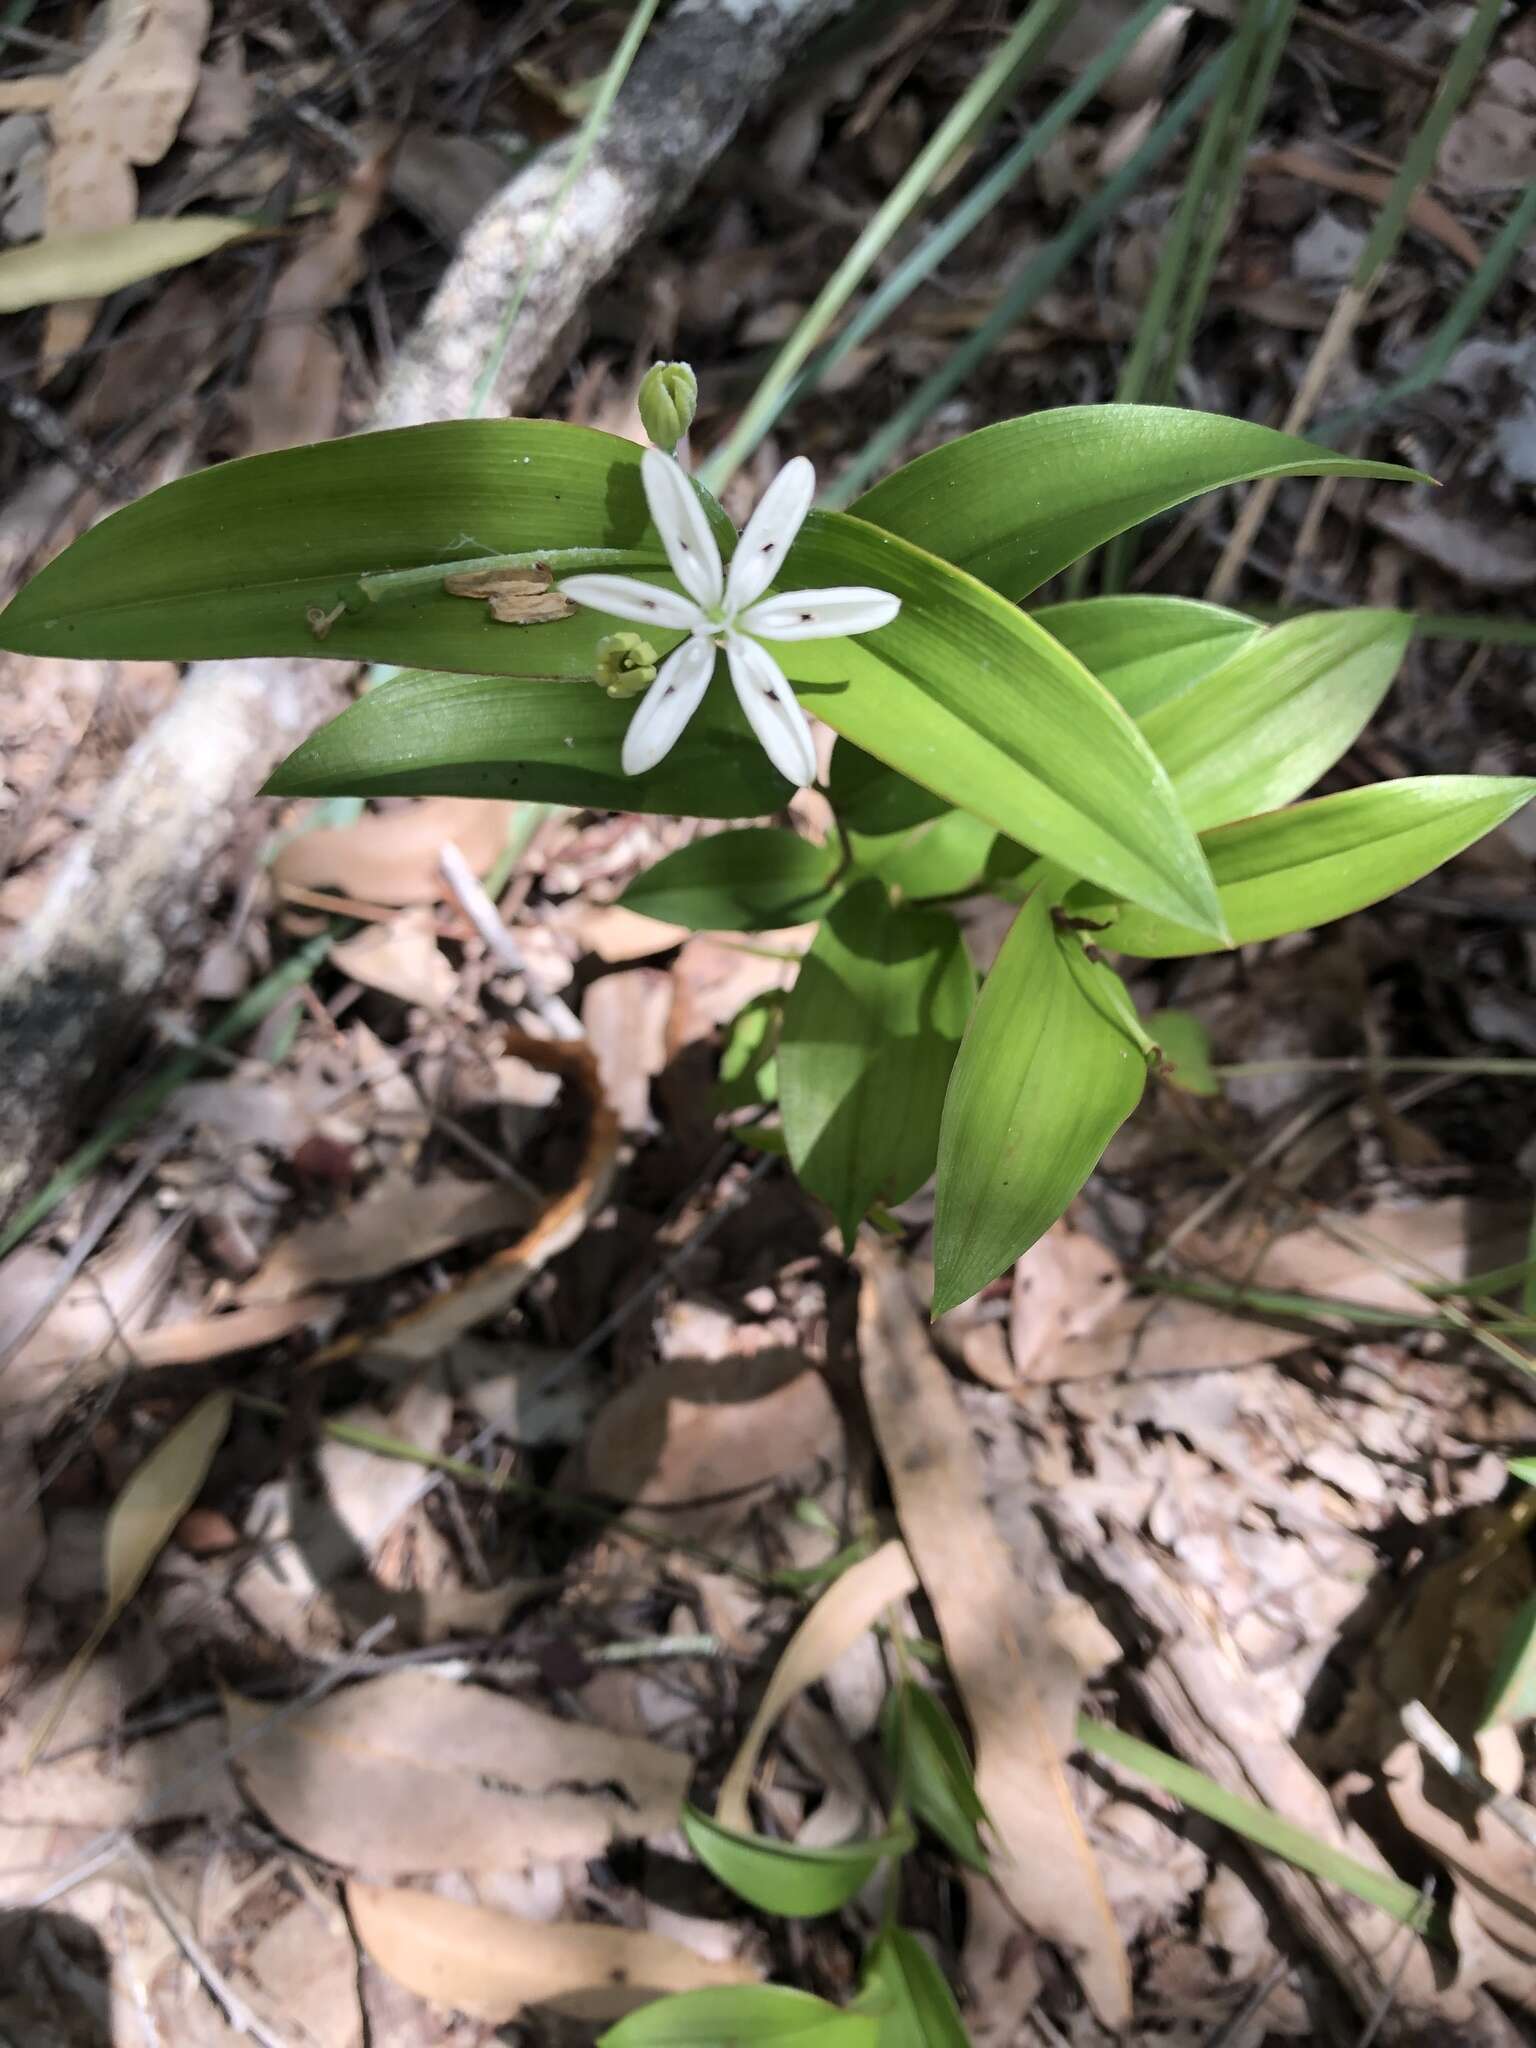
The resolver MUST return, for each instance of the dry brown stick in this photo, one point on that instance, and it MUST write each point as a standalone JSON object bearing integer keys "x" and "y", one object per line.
{"x": 129, "y": 895}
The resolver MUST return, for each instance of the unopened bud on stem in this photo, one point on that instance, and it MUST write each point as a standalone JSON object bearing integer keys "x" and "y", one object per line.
{"x": 669, "y": 398}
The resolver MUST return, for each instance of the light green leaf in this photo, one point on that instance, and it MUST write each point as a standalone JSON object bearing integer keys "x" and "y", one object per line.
{"x": 930, "y": 1763}
{"x": 749, "y": 1060}
{"x": 870, "y": 1032}
{"x": 1325, "y": 859}
{"x": 779, "y": 1877}
{"x": 749, "y": 881}
{"x": 1044, "y": 1079}
{"x": 1262, "y": 727}
{"x": 965, "y": 695}
{"x": 1185, "y": 1045}
{"x": 255, "y": 556}
{"x": 1146, "y": 650}
{"x": 88, "y": 266}
{"x": 940, "y": 857}
{"x": 738, "y": 2015}
{"x": 904, "y": 1989}
{"x": 1016, "y": 502}
{"x": 537, "y": 738}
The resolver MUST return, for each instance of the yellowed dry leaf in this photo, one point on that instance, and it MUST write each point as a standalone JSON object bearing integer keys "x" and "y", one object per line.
{"x": 204, "y": 1337}
{"x": 293, "y": 390}
{"x": 94, "y": 262}
{"x": 119, "y": 108}
{"x": 1020, "y": 1687}
{"x": 412, "y": 1772}
{"x": 402, "y": 959}
{"x": 847, "y": 1610}
{"x": 400, "y": 1223}
{"x": 514, "y": 597}
{"x": 392, "y": 856}
{"x": 491, "y": 1965}
{"x": 615, "y": 934}
{"x": 140, "y": 1525}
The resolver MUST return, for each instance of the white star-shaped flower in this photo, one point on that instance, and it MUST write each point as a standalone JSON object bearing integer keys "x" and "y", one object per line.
{"x": 719, "y": 611}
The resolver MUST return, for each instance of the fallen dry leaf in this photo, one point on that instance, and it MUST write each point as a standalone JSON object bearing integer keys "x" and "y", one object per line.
{"x": 614, "y": 934}
{"x": 392, "y": 856}
{"x": 140, "y": 1525}
{"x": 203, "y": 1337}
{"x": 1426, "y": 214}
{"x": 1063, "y": 1288}
{"x": 492, "y": 1965}
{"x": 1019, "y": 1686}
{"x": 847, "y": 1610}
{"x": 89, "y": 264}
{"x": 412, "y": 1772}
{"x": 293, "y": 390}
{"x": 1495, "y": 556}
{"x": 399, "y": 1223}
{"x": 119, "y": 108}
{"x": 1491, "y": 147}
{"x": 625, "y": 1017}
{"x": 402, "y": 958}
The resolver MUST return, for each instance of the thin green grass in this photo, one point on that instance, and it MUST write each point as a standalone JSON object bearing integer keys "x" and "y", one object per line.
{"x": 966, "y": 117}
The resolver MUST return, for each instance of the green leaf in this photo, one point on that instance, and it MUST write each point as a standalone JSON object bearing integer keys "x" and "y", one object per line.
{"x": 929, "y": 1759}
{"x": 547, "y": 741}
{"x": 1146, "y": 650}
{"x": 1185, "y": 1045}
{"x": 870, "y": 1033}
{"x": 1262, "y": 727}
{"x": 232, "y": 561}
{"x": 779, "y": 1877}
{"x": 869, "y": 797}
{"x": 749, "y": 1060}
{"x": 970, "y": 698}
{"x": 1512, "y": 1690}
{"x": 1015, "y": 503}
{"x": 940, "y": 857}
{"x": 739, "y": 2014}
{"x": 1327, "y": 858}
{"x": 1044, "y": 1079}
{"x": 904, "y": 1989}
{"x": 749, "y": 881}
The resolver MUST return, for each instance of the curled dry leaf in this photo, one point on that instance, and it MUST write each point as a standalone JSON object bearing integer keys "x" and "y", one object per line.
{"x": 493, "y": 1965}
{"x": 850, "y": 1606}
{"x": 1019, "y": 1685}
{"x": 412, "y": 1772}
{"x": 140, "y": 1526}
{"x": 392, "y": 856}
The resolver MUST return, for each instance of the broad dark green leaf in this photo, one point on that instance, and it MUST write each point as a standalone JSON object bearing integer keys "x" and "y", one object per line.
{"x": 549, "y": 741}
{"x": 1017, "y": 502}
{"x": 1185, "y": 1045}
{"x": 739, "y": 2015}
{"x": 778, "y": 1877}
{"x": 233, "y": 561}
{"x": 904, "y": 1989}
{"x": 930, "y": 1763}
{"x": 870, "y": 1032}
{"x": 937, "y": 858}
{"x": 748, "y": 881}
{"x": 968, "y": 697}
{"x": 870, "y": 797}
{"x": 1325, "y": 859}
{"x": 1043, "y": 1081}
{"x": 1147, "y": 650}
{"x": 1262, "y": 727}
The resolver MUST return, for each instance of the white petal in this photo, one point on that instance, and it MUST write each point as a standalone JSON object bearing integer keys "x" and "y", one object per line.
{"x": 668, "y": 705}
{"x": 820, "y": 614}
{"x": 770, "y": 533}
{"x": 772, "y": 709}
{"x": 685, "y": 532}
{"x": 626, "y": 597}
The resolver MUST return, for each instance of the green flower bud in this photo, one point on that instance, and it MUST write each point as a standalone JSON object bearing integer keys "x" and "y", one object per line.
{"x": 626, "y": 664}
{"x": 669, "y": 398}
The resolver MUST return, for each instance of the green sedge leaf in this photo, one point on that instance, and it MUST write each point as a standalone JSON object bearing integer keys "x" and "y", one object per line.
{"x": 941, "y": 857}
{"x": 741, "y": 2015}
{"x": 341, "y": 550}
{"x": 547, "y": 741}
{"x": 870, "y": 1032}
{"x": 968, "y": 697}
{"x": 1325, "y": 859}
{"x": 929, "y": 1760}
{"x": 748, "y": 881}
{"x": 904, "y": 1990}
{"x": 1015, "y": 503}
{"x": 1185, "y": 1045}
{"x": 779, "y": 1877}
{"x": 1147, "y": 650}
{"x": 1044, "y": 1079}
{"x": 1262, "y": 727}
